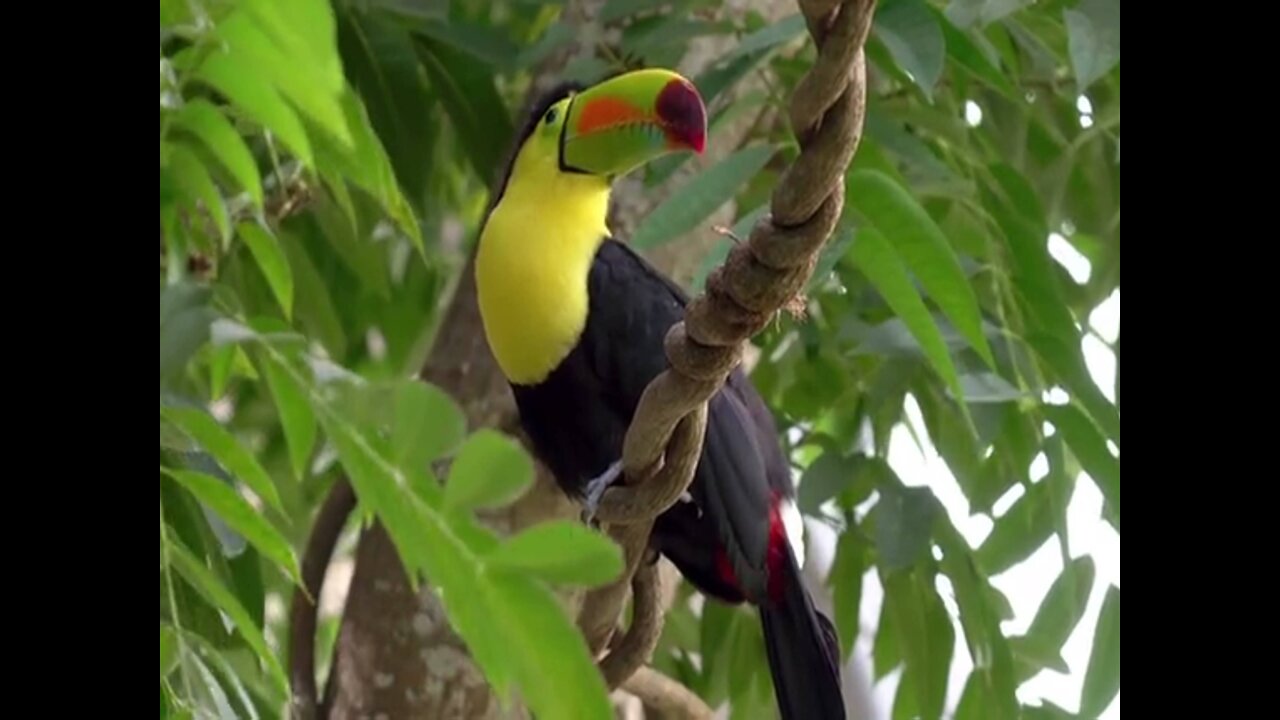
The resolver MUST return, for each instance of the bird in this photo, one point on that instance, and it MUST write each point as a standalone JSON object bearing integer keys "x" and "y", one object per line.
{"x": 576, "y": 319}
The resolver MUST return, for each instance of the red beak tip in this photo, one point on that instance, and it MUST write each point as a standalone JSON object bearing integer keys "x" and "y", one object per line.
{"x": 681, "y": 108}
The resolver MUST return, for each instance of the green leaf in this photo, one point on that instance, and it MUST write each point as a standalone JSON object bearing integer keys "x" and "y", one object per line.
{"x": 873, "y": 254}
{"x": 240, "y": 516}
{"x": 980, "y": 617}
{"x": 561, "y": 551}
{"x": 228, "y": 675}
{"x": 886, "y": 653}
{"x": 973, "y": 699}
{"x": 238, "y": 78}
{"x": 174, "y": 13}
{"x": 556, "y": 36}
{"x": 196, "y": 184}
{"x": 483, "y": 43}
{"x": 921, "y": 244}
{"x": 217, "y": 594}
{"x": 906, "y": 699}
{"x": 768, "y": 37}
{"x": 1054, "y": 336}
{"x": 586, "y": 69}
{"x": 661, "y": 40}
{"x": 746, "y": 661}
{"x": 168, "y": 649}
{"x": 314, "y": 303}
{"x": 411, "y": 10}
{"x": 853, "y": 557}
{"x": 296, "y": 418}
{"x": 955, "y": 439}
{"x": 620, "y": 9}
{"x": 385, "y": 490}
{"x": 490, "y": 470}
{"x": 831, "y": 474}
{"x": 224, "y": 448}
{"x": 1090, "y": 449}
{"x": 213, "y": 694}
{"x": 379, "y": 54}
{"x": 184, "y": 326}
{"x": 968, "y": 55}
{"x": 1093, "y": 39}
{"x": 911, "y": 32}
{"x": 1021, "y": 196}
{"x": 1047, "y": 711}
{"x": 715, "y": 635}
{"x": 722, "y": 76}
{"x": 1102, "y": 679}
{"x": 202, "y": 119}
{"x": 172, "y": 232}
{"x": 985, "y": 387}
{"x": 904, "y": 525}
{"x": 295, "y": 77}
{"x": 893, "y": 338}
{"x": 537, "y": 635}
{"x": 232, "y": 543}
{"x": 926, "y": 634}
{"x": 833, "y": 252}
{"x": 1067, "y": 362}
{"x": 1034, "y": 655}
{"x": 304, "y": 30}
{"x": 246, "y": 581}
{"x": 1021, "y": 530}
{"x": 984, "y": 12}
{"x": 271, "y": 260}
{"x": 428, "y": 425}
{"x": 1032, "y": 268}
{"x": 184, "y": 518}
{"x": 478, "y": 115}
{"x": 336, "y": 183}
{"x": 408, "y": 422}
{"x": 366, "y": 164}
{"x": 367, "y": 259}
{"x": 697, "y": 199}
{"x": 920, "y": 160}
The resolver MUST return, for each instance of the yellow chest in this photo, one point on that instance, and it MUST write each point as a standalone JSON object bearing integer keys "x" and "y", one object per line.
{"x": 531, "y": 273}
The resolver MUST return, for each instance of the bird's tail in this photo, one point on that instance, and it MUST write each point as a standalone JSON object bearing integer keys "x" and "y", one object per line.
{"x": 804, "y": 652}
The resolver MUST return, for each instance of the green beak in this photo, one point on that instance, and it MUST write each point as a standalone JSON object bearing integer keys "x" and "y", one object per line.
{"x": 631, "y": 119}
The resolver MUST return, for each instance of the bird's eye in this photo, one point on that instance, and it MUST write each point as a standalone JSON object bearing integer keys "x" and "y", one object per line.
{"x": 551, "y": 116}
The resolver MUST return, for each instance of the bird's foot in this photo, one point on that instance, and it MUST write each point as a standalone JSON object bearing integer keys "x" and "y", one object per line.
{"x": 595, "y": 491}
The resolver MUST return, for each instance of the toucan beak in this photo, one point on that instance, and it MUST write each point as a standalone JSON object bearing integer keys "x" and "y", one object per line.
{"x": 631, "y": 119}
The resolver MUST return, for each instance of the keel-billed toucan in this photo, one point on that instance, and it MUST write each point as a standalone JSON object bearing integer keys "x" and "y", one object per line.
{"x": 576, "y": 321}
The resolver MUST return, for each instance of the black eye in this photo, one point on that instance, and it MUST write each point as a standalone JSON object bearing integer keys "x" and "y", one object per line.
{"x": 551, "y": 116}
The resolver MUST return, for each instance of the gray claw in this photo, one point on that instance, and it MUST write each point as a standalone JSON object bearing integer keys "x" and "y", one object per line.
{"x": 595, "y": 490}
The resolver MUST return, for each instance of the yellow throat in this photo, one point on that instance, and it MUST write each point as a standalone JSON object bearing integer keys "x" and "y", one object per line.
{"x": 532, "y": 265}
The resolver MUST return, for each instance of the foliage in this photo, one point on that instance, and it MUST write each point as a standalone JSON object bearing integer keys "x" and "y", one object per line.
{"x": 323, "y": 170}
{"x": 255, "y": 109}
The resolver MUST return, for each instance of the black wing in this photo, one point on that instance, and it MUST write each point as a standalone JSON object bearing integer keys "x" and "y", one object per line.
{"x": 632, "y": 308}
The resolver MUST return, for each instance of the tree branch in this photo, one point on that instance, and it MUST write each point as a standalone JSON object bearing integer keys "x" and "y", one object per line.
{"x": 302, "y": 613}
{"x": 661, "y": 693}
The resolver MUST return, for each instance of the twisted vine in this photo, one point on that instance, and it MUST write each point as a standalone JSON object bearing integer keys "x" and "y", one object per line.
{"x": 758, "y": 278}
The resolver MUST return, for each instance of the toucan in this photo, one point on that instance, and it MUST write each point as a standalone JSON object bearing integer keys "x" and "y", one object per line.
{"x": 576, "y": 321}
